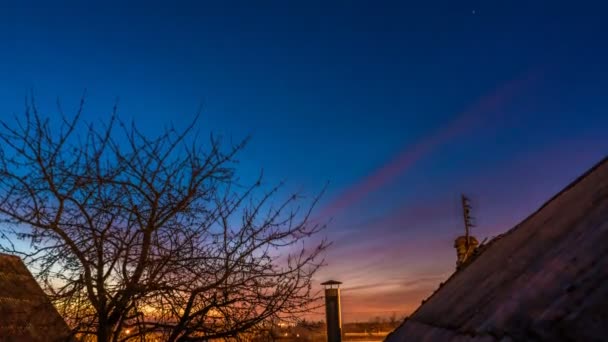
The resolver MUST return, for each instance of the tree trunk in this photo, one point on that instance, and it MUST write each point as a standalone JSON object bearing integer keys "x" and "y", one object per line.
{"x": 104, "y": 333}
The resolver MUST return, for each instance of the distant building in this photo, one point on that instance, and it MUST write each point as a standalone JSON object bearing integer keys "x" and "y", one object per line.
{"x": 544, "y": 280}
{"x": 26, "y": 314}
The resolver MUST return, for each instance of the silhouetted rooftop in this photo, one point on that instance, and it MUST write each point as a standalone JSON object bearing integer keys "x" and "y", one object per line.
{"x": 26, "y": 314}
{"x": 543, "y": 280}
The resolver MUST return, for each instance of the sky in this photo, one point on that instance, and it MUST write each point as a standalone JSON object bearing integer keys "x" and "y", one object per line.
{"x": 399, "y": 106}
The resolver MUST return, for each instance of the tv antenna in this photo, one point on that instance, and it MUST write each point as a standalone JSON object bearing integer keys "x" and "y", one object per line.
{"x": 465, "y": 244}
{"x": 466, "y": 215}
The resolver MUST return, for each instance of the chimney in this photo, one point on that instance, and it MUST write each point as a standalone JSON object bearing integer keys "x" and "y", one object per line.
{"x": 465, "y": 244}
{"x": 333, "y": 315}
{"x": 464, "y": 249}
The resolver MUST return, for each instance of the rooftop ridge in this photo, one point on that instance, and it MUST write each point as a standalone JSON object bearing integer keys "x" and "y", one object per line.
{"x": 9, "y": 255}
{"x": 484, "y": 247}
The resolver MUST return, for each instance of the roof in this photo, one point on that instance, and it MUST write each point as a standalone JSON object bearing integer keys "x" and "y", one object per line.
{"x": 545, "y": 279}
{"x": 26, "y": 314}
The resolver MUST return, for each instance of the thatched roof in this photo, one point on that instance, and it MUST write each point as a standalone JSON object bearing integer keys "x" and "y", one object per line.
{"x": 544, "y": 280}
{"x": 26, "y": 314}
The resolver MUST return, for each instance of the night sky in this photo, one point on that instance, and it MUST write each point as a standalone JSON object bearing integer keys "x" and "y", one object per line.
{"x": 400, "y": 107}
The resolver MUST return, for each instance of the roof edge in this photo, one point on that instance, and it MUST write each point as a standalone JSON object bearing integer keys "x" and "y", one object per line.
{"x": 9, "y": 255}
{"x": 570, "y": 185}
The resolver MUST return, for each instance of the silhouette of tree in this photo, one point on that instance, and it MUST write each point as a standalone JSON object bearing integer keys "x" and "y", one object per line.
{"x": 138, "y": 236}
{"x": 393, "y": 319}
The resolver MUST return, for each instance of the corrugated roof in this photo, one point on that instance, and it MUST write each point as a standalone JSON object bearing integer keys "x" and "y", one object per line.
{"x": 544, "y": 280}
{"x": 26, "y": 314}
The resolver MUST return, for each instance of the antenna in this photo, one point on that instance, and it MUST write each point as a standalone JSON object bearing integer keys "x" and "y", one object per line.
{"x": 466, "y": 244}
{"x": 466, "y": 215}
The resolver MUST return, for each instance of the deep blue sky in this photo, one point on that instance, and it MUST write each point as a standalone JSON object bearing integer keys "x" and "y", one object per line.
{"x": 335, "y": 91}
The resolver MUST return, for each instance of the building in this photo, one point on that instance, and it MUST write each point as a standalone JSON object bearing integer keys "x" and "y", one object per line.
{"x": 26, "y": 314}
{"x": 544, "y": 280}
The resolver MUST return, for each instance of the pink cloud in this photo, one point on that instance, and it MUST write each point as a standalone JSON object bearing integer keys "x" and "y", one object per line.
{"x": 489, "y": 104}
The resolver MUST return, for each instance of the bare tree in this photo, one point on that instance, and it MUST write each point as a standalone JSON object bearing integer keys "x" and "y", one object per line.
{"x": 139, "y": 237}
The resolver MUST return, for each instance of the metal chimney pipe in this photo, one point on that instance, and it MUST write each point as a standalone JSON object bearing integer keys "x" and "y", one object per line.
{"x": 333, "y": 315}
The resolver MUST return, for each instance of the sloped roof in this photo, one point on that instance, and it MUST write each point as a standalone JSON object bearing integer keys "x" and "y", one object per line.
{"x": 544, "y": 280}
{"x": 26, "y": 314}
